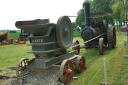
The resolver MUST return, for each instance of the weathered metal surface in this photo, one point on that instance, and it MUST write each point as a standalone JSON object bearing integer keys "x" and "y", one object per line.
{"x": 66, "y": 71}
{"x": 32, "y": 44}
{"x": 49, "y": 43}
{"x": 80, "y": 64}
{"x": 31, "y": 22}
{"x": 53, "y": 69}
{"x": 100, "y": 14}
{"x": 37, "y": 30}
{"x": 21, "y": 40}
{"x": 76, "y": 48}
{"x": 44, "y": 63}
{"x": 64, "y": 32}
{"x": 49, "y": 51}
{"x": 96, "y": 26}
{"x": 111, "y": 36}
{"x": 87, "y": 13}
{"x": 101, "y": 46}
{"x": 21, "y": 65}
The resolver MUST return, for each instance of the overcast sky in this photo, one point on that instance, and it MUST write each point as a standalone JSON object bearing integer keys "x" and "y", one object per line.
{"x": 17, "y": 10}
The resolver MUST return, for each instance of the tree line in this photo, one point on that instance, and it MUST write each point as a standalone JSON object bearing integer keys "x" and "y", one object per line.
{"x": 117, "y": 8}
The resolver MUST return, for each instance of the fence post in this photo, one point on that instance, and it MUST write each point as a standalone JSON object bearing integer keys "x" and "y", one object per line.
{"x": 125, "y": 45}
{"x": 83, "y": 81}
{"x": 127, "y": 38}
{"x": 105, "y": 75}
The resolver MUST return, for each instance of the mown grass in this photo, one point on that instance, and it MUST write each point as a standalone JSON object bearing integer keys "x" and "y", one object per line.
{"x": 76, "y": 34}
{"x": 116, "y": 71}
{"x": 11, "y": 54}
{"x": 94, "y": 61}
{"x": 16, "y": 35}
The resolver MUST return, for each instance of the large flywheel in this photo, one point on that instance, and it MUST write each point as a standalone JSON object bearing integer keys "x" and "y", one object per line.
{"x": 111, "y": 36}
{"x": 64, "y": 32}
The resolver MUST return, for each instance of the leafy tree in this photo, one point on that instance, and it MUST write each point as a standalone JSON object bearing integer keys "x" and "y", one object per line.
{"x": 80, "y": 18}
{"x": 96, "y": 6}
{"x": 103, "y": 6}
{"x": 74, "y": 24}
{"x": 120, "y": 11}
{"x": 12, "y": 31}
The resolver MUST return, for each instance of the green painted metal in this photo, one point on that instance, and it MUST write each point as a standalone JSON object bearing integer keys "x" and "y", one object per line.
{"x": 45, "y": 45}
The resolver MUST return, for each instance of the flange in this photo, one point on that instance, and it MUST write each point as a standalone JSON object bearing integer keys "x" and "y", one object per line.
{"x": 64, "y": 32}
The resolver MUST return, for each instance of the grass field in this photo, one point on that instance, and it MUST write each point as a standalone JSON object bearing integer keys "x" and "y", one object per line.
{"x": 16, "y": 35}
{"x": 117, "y": 67}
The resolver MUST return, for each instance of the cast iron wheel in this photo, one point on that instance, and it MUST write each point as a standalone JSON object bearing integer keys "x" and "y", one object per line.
{"x": 80, "y": 64}
{"x": 77, "y": 48}
{"x": 21, "y": 65}
{"x": 111, "y": 36}
{"x": 64, "y": 32}
{"x": 21, "y": 40}
{"x": 101, "y": 46}
{"x": 66, "y": 71}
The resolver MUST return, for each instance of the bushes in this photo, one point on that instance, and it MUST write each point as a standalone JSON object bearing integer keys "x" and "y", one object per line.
{"x": 12, "y": 31}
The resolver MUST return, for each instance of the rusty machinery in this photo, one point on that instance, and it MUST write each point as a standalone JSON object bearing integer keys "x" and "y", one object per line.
{"x": 23, "y": 36}
{"x": 49, "y": 43}
{"x": 96, "y": 33}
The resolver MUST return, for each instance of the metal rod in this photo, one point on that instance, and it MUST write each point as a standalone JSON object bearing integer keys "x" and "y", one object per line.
{"x": 89, "y": 47}
{"x": 105, "y": 75}
{"x": 88, "y": 40}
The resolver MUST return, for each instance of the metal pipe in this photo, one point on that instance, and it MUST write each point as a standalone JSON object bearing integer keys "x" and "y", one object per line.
{"x": 87, "y": 13}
